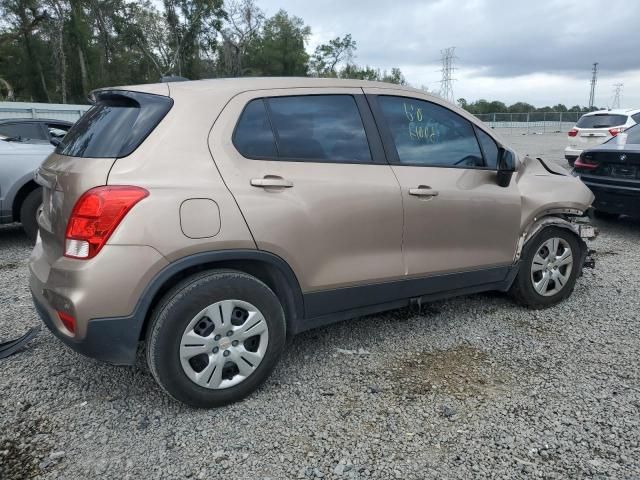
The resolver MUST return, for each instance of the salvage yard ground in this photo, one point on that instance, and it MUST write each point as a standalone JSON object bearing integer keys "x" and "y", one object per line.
{"x": 471, "y": 387}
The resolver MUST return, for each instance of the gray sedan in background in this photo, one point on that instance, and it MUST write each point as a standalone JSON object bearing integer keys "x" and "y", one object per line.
{"x": 24, "y": 144}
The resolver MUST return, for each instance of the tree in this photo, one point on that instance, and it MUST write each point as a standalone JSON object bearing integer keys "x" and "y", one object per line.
{"x": 327, "y": 57}
{"x": 280, "y": 50}
{"x": 192, "y": 26}
{"x": 521, "y": 107}
{"x": 25, "y": 18}
{"x": 242, "y": 27}
{"x": 368, "y": 73}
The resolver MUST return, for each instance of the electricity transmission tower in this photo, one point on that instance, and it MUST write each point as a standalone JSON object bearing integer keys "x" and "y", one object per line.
{"x": 617, "y": 95}
{"x": 594, "y": 80}
{"x": 446, "y": 84}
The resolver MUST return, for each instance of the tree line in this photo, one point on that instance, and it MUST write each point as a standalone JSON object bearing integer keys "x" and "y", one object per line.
{"x": 482, "y": 106}
{"x": 59, "y": 50}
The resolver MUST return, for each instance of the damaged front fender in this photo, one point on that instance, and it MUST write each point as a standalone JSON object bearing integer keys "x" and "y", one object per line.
{"x": 552, "y": 197}
{"x": 548, "y": 189}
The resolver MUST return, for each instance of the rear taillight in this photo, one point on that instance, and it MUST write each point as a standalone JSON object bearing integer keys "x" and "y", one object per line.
{"x": 615, "y": 131}
{"x": 68, "y": 321}
{"x": 585, "y": 163}
{"x": 573, "y": 132}
{"x": 96, "y": 215}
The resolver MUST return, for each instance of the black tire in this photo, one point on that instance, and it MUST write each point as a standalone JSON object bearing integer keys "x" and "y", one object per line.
{"x": 523, "y": 290}
{"x": 28, "y": 211}
{"x": 181, "y": 305}
{"x": 605, "y": 215}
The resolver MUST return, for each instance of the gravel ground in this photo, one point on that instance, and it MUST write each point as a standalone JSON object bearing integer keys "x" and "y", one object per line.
{"x": 470, "y": 387}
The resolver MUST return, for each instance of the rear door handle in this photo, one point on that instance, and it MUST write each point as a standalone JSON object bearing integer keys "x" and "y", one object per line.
{"x": 269, "y": 181}
{"x": 423, "y": 191}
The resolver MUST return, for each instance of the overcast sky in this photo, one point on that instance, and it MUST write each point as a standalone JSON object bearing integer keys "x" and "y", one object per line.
{"x": 538, "y": 51}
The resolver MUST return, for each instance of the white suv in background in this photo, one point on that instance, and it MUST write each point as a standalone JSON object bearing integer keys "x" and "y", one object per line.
{"x": 595, "y": 128}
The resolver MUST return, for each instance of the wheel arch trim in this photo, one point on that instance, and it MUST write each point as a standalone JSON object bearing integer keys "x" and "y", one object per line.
{"x": 539, "y": 224}
{"x": 125, "y": 332}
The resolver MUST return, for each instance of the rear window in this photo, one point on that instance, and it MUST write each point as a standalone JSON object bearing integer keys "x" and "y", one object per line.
{"x": 31, "y": 131}
{"x": 116, "y": 125}
{"x": 604, "y": 120}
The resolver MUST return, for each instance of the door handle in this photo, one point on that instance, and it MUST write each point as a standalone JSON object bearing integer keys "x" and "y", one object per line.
{"x": 423, "y": 191}
{"x": 271, "y": 181}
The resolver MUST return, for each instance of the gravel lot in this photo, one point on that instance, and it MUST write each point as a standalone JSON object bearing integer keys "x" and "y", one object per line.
{"x": 471, "y": 387}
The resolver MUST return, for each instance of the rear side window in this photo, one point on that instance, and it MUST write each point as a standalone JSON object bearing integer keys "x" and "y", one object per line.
{"x": 636, "y": 117}
{"x": 319, "y": 127}
{"x": 427, "y": 134}
{"x": 253, "y": 136}
{"x": 31, "y": 131}
{"x": 314, "y": 128}
{"x": 604, "y": 120}
{"x": 116, "y": 125}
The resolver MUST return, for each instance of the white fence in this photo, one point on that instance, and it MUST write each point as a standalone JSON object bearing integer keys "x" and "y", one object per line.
{"x": 52, "y": 111}
{"x": 534, "y": 122}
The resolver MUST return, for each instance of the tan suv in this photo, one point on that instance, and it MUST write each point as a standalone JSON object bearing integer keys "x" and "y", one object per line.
{"x": 212, "y": 219}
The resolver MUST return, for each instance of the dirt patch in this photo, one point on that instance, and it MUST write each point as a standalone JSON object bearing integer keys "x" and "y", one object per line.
{"x": 22, "y": 446}
{"x": 461, "y": 372}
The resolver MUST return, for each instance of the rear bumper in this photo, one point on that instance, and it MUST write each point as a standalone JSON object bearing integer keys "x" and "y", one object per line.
{"x": 111, "y": 340}
{"x": 624, "y": 200}
{"x": 101, "y": 294}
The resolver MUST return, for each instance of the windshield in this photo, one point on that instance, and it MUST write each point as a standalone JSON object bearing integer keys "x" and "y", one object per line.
{"x": 601, "y": 120}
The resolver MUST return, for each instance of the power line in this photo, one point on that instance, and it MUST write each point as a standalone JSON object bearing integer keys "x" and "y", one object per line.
{"x": 446, "y": 84}
{"x": 594, "y": 80}
{"x": 617, "y": 95}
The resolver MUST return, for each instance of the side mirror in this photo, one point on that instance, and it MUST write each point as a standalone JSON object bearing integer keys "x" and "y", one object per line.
{"x": 506, "y": 167}
{"x": 55, "y": 141}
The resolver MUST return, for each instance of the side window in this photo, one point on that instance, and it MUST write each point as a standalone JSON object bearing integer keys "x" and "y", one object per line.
{"x": 253, "y": 136}
{"x": 24, "y": 130}
{"x": 319, "y": 128}
{"x": 427, "y": 134}
{"x": 489, "y": 148}
{"x": 636, "y": 117}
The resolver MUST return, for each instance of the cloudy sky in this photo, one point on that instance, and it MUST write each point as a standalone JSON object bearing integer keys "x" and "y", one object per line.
{"x": 538, "y": 51}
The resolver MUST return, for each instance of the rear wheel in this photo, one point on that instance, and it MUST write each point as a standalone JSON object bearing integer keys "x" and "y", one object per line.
{"x": 215, "y": 338}
{"x": 28, "y": 212}
{"x": 550, "y": 265}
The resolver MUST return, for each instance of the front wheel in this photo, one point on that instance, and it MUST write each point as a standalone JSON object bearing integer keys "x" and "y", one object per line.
{"x": 550, "y": 265}
{"x": 215, "y": 338}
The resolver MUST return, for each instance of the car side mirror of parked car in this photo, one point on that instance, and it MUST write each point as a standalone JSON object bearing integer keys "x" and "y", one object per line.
{"x": 506, "y": 167}
{"x": 55, "y": 141}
